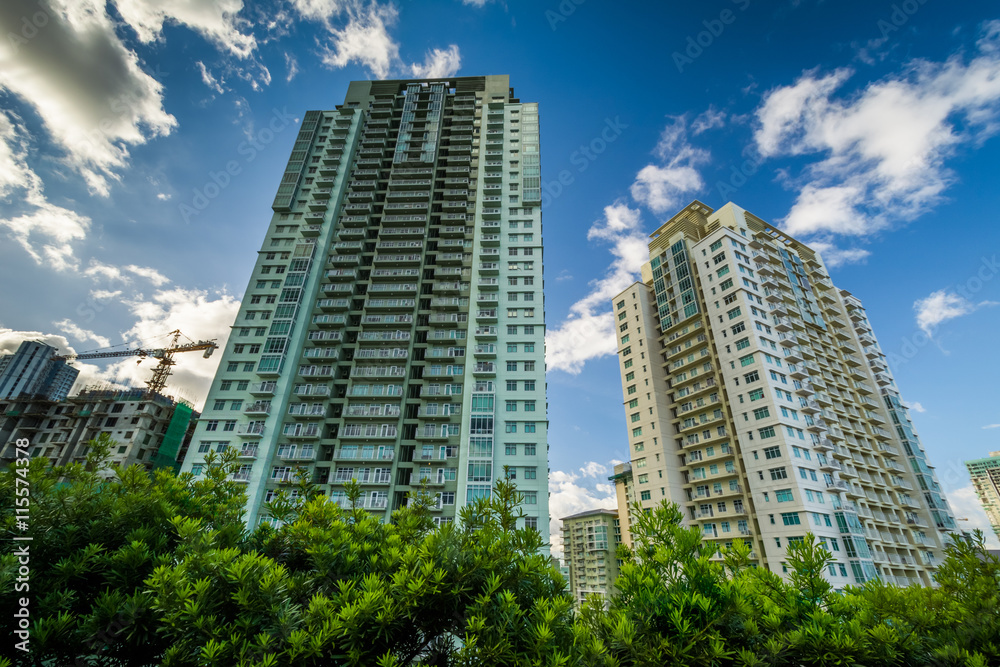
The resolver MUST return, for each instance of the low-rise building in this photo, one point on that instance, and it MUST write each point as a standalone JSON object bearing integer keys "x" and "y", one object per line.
{"x": 151, "y": 429}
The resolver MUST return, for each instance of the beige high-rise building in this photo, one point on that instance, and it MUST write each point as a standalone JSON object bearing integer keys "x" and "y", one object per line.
{"x": 986, "y": 480}
{"x": 590, "y": 544}
{"x": 757, "y": 399}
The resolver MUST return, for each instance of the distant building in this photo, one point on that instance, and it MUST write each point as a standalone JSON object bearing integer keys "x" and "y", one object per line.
{"x": 35, "y": 371}
{"x": 625, "y": 494}
{"x": 151, "y": 430}
{"x": 986, "y": 479}
{"x": 590, "y": 543}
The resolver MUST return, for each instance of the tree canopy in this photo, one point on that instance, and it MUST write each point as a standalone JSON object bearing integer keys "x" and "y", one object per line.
{"x": 140, "y": 569}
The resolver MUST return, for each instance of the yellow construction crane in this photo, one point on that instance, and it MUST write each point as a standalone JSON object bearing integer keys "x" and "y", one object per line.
{"x": 164, "y": 354}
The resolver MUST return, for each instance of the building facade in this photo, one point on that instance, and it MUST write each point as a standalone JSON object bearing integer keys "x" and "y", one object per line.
{"x": 985, "y": 475}
{"x": 393, "y": 329}
{"x": 150, "y": 429}
{"x": 758, "y": 400}
{"x": 35, "y": 371}
{"x": 590, "y": 544}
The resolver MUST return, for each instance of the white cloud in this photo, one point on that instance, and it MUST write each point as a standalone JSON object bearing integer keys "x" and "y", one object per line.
{"x": 991, "y": 426}
{"x": 942, "y": 306}
{"x": 589, "y": 331}
{"x": 105, "y": 295}
{"x": 709, "y": 119}
{"x": 83, "y": 335}
{"x": 966, "y": 505}
{"x": 208, "y": 79}
{"x": 163, "y": 196}
{"x": 216, "y": 20}
{"x": 916, "y": 407}
{"x": 152, "y": 275}
{"x": 883, "y": 149}
{"x": 46, "y": 232}
{"x": 438, "y": 64}
{"x": 476, "y": 3}
{"x": 292, "y": 66}
{"x": 567, "y": 497}
{"x": 99, "y": 270}
{"x": 593, "y": 469}
{"x": 661, "y": 186}
{"x": 86, "y": 86}
{"x": 834, "y": 256}
{"x": 364, "y": 40}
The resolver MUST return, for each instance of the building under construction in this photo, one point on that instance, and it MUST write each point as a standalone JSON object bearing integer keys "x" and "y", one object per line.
{"x": 150, "y": 429}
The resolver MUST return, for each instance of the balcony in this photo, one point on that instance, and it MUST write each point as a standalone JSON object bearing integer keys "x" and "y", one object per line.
{"x": 251, "y": 430}
{"x": 258, "y": 408}
{"x": 301, "y": 431}
{"x": 263, "y": 388}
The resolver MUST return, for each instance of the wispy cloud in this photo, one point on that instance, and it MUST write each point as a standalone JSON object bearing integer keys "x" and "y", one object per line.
{"x": 991, "y": 426}
{"x": 662, "y": 185}
{"x": 942, "y": 306}
{"x": 589, "y": 331}
{"x": 438, "y": 63}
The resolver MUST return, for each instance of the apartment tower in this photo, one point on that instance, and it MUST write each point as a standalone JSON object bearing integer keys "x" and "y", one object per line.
{"x": 393, "y": 329}
{"x": 757, "y": 399}
{"x": 590, "y": 545}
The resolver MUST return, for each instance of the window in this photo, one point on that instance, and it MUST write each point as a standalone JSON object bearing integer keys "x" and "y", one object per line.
{"x": 511, "y": 406}
{"x": 734, "y": 313}
{"x": 766, "y": 432}
{"x": 636, "y": 432}
{"x": 790, "y": 518}
{"x": 751, "y": 377}
{"x": 645, "y": 495}
{"x": 530, "y": 473}
{"x": 756, "y": 395}
{"x": 747, "y": 360}
{"x": 778, "y": 473}
{"x": 772, "y": 452}
{"x": 742, "y": 343}
{"x": 783, "y": 495}
{"x": 761, "y": 413}
{"x": 529, "y": 406}
{"x": 529, "y": 385}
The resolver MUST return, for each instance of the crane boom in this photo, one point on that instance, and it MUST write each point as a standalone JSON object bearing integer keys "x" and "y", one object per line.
{"x": 165, "y": 354}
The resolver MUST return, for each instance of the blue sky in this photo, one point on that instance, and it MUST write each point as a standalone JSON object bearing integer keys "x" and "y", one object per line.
{"x": 866, "y": 128}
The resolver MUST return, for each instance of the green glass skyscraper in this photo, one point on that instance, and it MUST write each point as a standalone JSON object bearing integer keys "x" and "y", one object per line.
{"x": 393, "y": 329}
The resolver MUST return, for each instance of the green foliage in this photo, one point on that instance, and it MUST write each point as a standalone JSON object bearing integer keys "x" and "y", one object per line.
{"x": 159, "y": 570}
